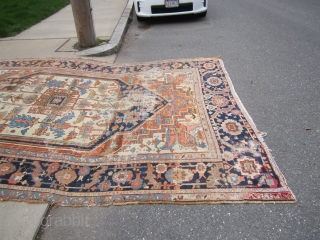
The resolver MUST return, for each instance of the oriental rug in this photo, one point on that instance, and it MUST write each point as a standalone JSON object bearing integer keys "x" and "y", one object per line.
{"x": 79, "y": 132}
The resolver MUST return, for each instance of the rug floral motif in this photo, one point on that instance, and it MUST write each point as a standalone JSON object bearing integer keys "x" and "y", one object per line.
{"x": 79, "y": 132}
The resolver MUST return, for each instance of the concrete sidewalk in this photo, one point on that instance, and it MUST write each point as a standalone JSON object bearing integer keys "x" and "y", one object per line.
{"x": 56, "y": 37}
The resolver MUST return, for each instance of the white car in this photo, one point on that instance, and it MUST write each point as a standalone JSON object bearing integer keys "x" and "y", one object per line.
{"x": 154, "y": 8}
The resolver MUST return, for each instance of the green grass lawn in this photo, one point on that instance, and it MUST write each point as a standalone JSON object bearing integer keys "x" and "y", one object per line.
{"x": 19, "y": 15}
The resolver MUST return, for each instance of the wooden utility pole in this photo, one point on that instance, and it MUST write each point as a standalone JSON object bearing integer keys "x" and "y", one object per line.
{"x": 84, "y": 23}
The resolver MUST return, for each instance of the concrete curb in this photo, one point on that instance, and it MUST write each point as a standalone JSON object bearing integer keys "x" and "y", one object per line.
{"x": 116, "y": 39}
{"x": 41, "y": 222}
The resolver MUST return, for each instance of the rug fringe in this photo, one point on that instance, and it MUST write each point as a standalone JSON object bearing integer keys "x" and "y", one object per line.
{"x": 250, "y": 120}
{"x": 151, "y": 202}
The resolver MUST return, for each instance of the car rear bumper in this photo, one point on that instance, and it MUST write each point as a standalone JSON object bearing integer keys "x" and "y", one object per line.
{"x": 154, "y": 8}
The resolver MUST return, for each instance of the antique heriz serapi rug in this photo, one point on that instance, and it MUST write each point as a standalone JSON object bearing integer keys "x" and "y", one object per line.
{"x": 78, "y": 132}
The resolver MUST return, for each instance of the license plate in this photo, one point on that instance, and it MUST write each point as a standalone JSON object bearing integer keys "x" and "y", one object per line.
{"x": 171, "y": 3}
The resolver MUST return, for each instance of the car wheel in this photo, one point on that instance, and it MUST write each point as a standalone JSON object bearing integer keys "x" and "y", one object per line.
{"x": 203, "y": 14}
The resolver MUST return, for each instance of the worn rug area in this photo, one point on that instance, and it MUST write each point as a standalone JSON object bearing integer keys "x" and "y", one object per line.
{"x": 78, "y": 132}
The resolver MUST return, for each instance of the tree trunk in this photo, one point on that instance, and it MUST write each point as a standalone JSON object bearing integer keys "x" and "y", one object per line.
{"x": 84, "y": 23}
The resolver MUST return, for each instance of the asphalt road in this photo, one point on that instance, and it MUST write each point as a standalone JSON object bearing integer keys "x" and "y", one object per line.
{"x": 271, "y": 50}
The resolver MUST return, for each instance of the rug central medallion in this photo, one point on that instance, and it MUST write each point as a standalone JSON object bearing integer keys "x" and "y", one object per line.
{"x": 77, "y": 113}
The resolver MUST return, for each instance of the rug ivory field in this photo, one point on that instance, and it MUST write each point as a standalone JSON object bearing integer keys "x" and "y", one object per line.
{"x": 77, "y": 132}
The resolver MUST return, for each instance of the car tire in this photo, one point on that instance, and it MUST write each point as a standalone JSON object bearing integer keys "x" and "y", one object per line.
{"x": 203, "y": 14}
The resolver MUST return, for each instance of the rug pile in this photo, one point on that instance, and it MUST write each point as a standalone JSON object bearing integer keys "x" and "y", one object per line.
{"x": 77, "y": 132}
